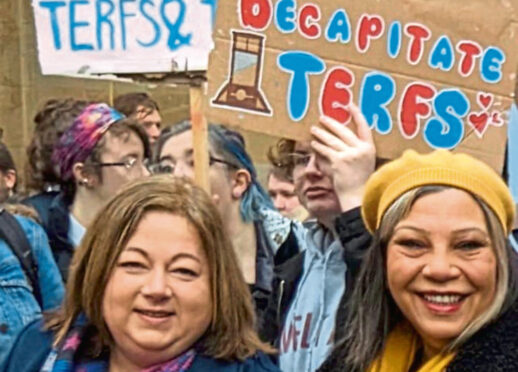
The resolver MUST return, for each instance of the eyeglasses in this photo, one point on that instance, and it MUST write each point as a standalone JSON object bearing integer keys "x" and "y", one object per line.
{"x": 128, "y": 163}
{"x": 297, "y": 159}
{"x": 168, "y": 165}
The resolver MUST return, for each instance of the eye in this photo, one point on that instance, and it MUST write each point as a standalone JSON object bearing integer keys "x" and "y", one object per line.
{"x": 132, "y": 266}
{"x": 471, "y": 244}
{"x": 185, "y": 272}
{"x": 410, "y": 243}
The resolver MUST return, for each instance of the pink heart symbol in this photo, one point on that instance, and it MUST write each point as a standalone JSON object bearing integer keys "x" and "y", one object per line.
{"x": 479, "y": 122}
{"x": 485, "y": 100}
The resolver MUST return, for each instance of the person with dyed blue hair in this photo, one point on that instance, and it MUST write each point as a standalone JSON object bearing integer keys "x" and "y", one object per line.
{"x": 261, "y": 236}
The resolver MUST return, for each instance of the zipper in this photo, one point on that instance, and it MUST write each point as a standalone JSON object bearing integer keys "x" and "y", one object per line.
{"x": 279, "y": 301}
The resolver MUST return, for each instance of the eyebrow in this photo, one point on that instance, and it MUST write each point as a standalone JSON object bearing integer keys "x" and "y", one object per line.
{"x": 459, "y": 231}
{"x": 176, "y": 257}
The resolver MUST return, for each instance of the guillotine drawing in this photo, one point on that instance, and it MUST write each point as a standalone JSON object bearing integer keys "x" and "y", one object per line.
{"x": 242, "y": 90}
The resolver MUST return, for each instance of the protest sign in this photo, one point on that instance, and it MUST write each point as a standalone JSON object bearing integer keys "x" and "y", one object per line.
{"x": 426, "y": 74}
{"x": 123, "y": 36}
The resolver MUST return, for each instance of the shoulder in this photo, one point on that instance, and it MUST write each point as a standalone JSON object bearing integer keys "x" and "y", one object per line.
{"x": 34, "y": 338}
{"x": 257, "y": 363}
{"x": 492, "y": 348}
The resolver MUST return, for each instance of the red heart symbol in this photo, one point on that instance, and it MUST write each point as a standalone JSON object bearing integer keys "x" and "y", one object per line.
{"x": 485, "y": 100}
{"x": 479, "y": 122}
{"x": 496, "y": 119}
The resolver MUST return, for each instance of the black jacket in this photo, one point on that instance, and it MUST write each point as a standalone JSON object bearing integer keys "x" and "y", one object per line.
{"x": 354, "y": 238}
{"x": 56, "y": 226}
{"x": 493, "y": 349}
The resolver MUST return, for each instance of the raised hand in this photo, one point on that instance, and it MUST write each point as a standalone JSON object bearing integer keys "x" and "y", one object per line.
{"x": 350, "y": 156}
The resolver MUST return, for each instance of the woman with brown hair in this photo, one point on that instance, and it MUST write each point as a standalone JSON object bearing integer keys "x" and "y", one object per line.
{"x": 154, "y": 286}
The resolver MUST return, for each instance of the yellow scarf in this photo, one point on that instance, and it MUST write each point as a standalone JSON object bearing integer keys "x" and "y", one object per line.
{"x": 399, "y": 354}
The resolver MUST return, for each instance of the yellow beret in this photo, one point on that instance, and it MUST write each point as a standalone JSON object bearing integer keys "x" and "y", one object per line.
{"x": 440, "y": 167}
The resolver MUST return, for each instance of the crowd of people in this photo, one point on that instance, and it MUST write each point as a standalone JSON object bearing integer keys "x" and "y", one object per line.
{"x": 113, "y": 260}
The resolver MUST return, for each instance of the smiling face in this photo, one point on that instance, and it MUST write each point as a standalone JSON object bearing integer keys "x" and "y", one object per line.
{"x": 314, "y": 187}
{"x": 157, "y": 301}
{"x": 441, "y": 266}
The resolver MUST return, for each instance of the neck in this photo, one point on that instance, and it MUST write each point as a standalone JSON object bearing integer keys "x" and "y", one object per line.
{"x": 243, "y": 240}
{"x": 85, "y": 207}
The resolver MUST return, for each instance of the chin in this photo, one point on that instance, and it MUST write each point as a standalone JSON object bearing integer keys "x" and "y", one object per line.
{"x": 442, "y": 332}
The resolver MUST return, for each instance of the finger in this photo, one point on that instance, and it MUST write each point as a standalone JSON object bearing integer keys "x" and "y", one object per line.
{"x": 340, "y": 130}
{"x": 364, "y": 131}
{"x": 324, "y": 150}
{"x": 328, "y": 139}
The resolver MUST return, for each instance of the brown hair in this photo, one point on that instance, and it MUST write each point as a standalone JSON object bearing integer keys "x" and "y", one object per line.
{"x": 129, "y": 103}
{"x": 54, "y": 118}
{"x": 231, "y": 333}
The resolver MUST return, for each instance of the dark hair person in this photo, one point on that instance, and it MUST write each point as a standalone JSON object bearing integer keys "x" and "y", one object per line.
{"x": 154, "y": 286}
{"x": 438, "y": 287}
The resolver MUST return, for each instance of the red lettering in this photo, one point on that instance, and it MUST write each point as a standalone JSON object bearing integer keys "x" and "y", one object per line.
{"x": 336, "y": 94}
{"x": 369, "y": 27}
{"x": 308, "y": 13}
{"x": 413, "y": 107}
{"x": 255, "y": 14}
{"x": 288, "y": 338}
{"x": 418, "y": 34}
{"x": 470, "y": 51}
{"x": 305, "y": 333}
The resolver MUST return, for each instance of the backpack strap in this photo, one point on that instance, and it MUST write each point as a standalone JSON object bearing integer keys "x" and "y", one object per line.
{"x": 12, "y": 233}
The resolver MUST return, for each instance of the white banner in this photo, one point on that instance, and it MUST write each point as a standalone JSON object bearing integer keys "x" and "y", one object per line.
{"x": 123, "y": 36}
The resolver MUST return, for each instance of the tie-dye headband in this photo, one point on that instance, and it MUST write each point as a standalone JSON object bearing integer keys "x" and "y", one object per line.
{"x": 78, "y": 141}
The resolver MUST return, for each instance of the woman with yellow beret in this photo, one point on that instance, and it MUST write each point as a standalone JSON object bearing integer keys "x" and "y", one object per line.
{"x": 438, "y": 287}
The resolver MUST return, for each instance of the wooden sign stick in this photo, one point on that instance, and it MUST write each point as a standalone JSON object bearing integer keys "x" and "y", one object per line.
{"x": 199, "y": 137}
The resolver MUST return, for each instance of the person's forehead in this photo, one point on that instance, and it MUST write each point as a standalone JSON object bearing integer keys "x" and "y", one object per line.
{"x": 302, "y": 146}
{"x": 276, "y": 182}
{"x": 179, "y": 145}
{"x": 123, "y": 144}
{"x": 145, "y": 114}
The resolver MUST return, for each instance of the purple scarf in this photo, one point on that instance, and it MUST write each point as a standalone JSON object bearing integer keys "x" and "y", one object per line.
{"x": 65, "y": 357}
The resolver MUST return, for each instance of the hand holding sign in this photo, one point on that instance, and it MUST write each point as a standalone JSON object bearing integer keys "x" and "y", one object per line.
{"x": 350, "y": 156}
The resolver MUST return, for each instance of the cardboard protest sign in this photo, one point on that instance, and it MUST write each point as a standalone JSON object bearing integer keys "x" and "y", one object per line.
{"x": 426, "y": 74}
{"x": 123, "y": 36}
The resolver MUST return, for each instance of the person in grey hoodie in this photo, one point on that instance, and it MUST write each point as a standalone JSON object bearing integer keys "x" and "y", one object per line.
{"x": 329, "y": 175}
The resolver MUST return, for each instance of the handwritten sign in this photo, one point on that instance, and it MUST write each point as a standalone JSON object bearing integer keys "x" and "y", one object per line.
{"x": 123, "y": 36}
{"x": 426, "y": 74}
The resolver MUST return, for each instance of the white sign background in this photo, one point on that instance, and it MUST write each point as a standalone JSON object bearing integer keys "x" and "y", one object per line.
{"x": 123, "y": 36}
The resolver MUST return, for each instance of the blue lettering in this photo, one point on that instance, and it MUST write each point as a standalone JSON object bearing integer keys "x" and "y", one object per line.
{"x": 339, "y": 27}
{"x": 394, "y": 39}
{"x": 442, "y": 56}
{"x": 285, "y": 16}
{"x": 103, "y": 18}
{"x": 214, "y": 5}
{"x": 491, "y": 65}
{"x": 377, "y": 91}
{"x": 446, "y": 129}
{"x": 123, "y": 16}
{"x": 156, "y": 26}
{"x": 52, "y": 6}
{"x": 175, "y": 39}
{"x": 300, "y": 65}
{"x": 74, "y": 25}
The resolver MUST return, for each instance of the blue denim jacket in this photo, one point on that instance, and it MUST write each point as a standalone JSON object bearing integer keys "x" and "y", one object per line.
{"x": 18, "y": 307}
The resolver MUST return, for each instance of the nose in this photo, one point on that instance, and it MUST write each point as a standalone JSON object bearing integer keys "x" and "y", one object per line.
{"x": 440, "y": 267}
{"x": 279, "y": 203}
{"x": 180, "y": 170}
{"x": 312, "y": 167}
{"x": 156, "y": 285}
{"x": 145, "y": 171}
{"x": 153, "y": 133}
